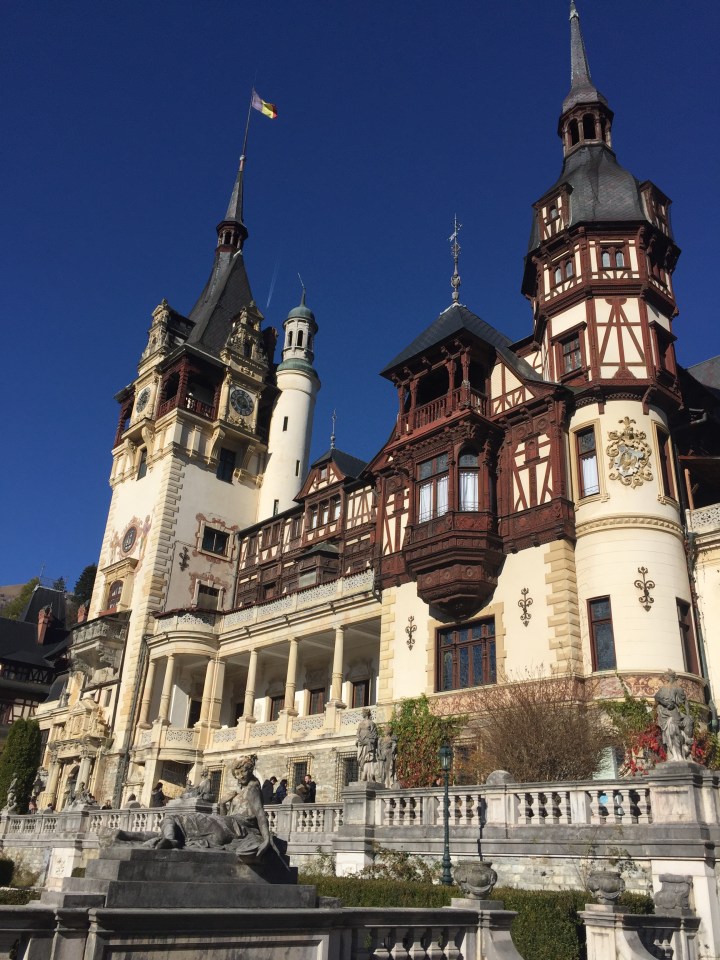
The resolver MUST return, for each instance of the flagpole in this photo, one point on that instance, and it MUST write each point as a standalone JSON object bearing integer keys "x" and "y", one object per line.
{"x": 247, "y": 128}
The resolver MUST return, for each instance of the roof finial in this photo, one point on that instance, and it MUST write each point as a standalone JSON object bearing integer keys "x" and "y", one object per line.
{"x": 579, "y": 69}
{"x": 455, "y": 250}
{"x": 332, "y": 435}
{"x": 302, "y": 299}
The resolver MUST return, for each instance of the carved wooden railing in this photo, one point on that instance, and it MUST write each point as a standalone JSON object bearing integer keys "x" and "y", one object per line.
{"x": 462, "y": 398}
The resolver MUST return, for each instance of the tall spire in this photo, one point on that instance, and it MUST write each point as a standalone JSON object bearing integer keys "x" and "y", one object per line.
{"x": 232, "y": 232}
{"x": 455, "y": 250}
{"x": 582, "y": 89}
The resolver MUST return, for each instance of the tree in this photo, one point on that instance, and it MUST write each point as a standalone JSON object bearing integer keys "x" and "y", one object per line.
{"x": 16, "y": 607}
{"x": 420, "y": 733}
{"x": 59, "y": 584}
{"x": 84, "y": 586}
{"x": 20, "y": 758}
{"x": 540, "y": 729}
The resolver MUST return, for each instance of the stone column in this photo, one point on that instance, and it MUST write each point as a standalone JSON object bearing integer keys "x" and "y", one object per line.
{"x": 147, "y": 695}
{"x": 337, "y": 670}
{"x": 249, "y": 705}
{"x": 85, "y": 767}
{"x": 164, "y": 710}
{"x": 217, "y": 693}
{"x": 207, "y": 691}
{"x": 291, "y": 678}
{"x": 53, "y": 778}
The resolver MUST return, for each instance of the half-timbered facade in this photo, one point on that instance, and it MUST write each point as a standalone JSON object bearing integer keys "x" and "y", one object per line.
{"x": 532, "y": 511}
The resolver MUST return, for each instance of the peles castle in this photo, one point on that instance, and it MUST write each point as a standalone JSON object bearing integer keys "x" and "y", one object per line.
{"x": 544, "y": 505}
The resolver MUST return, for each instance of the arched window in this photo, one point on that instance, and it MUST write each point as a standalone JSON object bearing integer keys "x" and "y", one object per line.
{"x": 569, "y": 269}
{"x": 619, "y": 259}
{"x": 469, "y": 486}
{"x": 554, "y": 212}
{"x": 290, "y": 338}
{"x": 589, "y": 127}
{"x": 558, "y": 275}
{"x": 300, "y": 338}
{"x": 605, "y": 258}
{"x": 574, "y": 133}
{"x": 114, "y": 594}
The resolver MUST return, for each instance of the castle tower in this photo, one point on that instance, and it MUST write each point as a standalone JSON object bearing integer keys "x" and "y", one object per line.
{"x": 599, "y": 276}
{"x": 292, "y": 417}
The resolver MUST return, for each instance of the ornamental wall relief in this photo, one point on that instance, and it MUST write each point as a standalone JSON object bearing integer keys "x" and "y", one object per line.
{"x": 629, "y": 455}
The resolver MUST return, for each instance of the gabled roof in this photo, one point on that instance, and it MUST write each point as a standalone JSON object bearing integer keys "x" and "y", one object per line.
{"x": 707, "y": 372}
{"x": 450, "y": 322}
{"x": 45, "y": 597}
{"x": 348, "y": 465}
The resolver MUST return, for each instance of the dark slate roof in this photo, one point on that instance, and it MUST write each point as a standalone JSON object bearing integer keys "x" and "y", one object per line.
{"x": 350, "y": 466}
{"x": 457, "y": 317}
{"x": 225, "y": 294}
{"x": 45, "y": 597}
{"x": 707, "y": 372}
{"x": 18, "y": 643}
{"x": 601, "y": 191}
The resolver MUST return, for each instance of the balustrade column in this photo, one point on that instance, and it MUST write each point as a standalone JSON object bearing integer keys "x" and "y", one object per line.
{"x": 249, "y": 705}
{"x": 207, "y": 691}
{"x": 216, "y": 696}
{"x": 164, "y": 710}
{"x": 147, "y": 695}
{"x": 291, "y": 679}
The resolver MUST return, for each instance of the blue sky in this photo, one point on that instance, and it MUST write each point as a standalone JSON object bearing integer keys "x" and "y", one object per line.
{"x": 121, "y": 128}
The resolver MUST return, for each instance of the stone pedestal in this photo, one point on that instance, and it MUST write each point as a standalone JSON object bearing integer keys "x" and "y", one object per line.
{"x": 610, "y": 934}
{"x": 353, "y": 844}
{"x": 677, "y": 792}
{"x": 493, "y": 931}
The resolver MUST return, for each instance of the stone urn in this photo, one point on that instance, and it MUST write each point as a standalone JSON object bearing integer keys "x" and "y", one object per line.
{"x": 476, "y": 878}
{"x": 605, "y": 885}
{"x": 674, "y": 894}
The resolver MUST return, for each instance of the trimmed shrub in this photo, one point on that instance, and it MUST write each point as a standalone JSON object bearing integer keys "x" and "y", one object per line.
{"x": 356, "y": 892}
{"x": 20, "y": 759}
{"x": 6, "y": 871}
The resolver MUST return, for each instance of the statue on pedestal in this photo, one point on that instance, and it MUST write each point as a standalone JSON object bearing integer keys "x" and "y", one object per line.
{"x": 674, "y": 719}
{"x": 367, "y": 746}
{"x": 202, "y": 790}
{"x": 243, "y": 829}
{"x": 11, "y": 805}
{"x": 387, "y": 758}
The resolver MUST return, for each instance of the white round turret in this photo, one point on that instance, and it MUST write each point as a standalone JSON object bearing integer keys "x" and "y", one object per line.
{"x": 292, "y": 418}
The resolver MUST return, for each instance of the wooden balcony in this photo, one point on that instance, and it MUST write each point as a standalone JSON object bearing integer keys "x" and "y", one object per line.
{"x": 200, "y": 409}
{"x": 462, "y": 399}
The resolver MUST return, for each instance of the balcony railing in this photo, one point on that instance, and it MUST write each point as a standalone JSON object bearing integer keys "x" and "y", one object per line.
{"x": 206, "y": 410}
{"x": 464, "y": 398}
{"x": 704, "y": 519}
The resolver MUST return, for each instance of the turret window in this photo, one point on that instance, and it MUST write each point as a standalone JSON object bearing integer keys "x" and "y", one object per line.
{"x": 589, "y": 479}
{"x": 605, "y": 258}
{"x": 612, "y": 258}
{"x": 571, "y": 354}
{"x": 290, "y": 338}
{"x": 619, "y": 259}
{"x": 300, "y": 338}
{"x": 574, "y": 132}
{"x": 469, "y": 487}
{"x": 433, "y": 488}
{"x": 589, "y": 127}
{"x": 602, "y": 637}
{"x": 558, "y": 275}
{"x": 569, "y": 269}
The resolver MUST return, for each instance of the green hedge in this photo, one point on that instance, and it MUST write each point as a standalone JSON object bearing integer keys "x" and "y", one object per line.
{"x": 6, "y": 871}
{"x": 17, "y": 898}
{"x": 547, "y": 926}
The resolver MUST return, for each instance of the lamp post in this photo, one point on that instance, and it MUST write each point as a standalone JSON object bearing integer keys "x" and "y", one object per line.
{"x": 446, "y": 758}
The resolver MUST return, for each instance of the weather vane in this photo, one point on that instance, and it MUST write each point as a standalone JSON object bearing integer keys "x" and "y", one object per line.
{"x": 455, "y": 250}
{"x": 332, "y": 435}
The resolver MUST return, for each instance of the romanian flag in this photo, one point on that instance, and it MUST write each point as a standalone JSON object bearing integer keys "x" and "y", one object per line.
{"x": 269, "y": 109}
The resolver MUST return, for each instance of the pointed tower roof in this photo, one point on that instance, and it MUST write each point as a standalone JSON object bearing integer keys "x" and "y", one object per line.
{"x": 582, "y": 89}
{"x": 227, "y": 290}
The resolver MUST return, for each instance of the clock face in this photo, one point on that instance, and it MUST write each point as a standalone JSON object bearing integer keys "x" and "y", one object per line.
{"x": 241, "y": 402}
{"x": 142, "y": 400}
{"x": 129, "y": 539}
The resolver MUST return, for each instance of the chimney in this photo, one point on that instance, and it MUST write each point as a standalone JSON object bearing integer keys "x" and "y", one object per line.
{"x": 83, "y": 612}
{"x": 45, "y": 618}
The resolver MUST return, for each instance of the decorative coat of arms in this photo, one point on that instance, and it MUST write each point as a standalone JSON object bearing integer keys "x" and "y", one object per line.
{"x": 629, "y": 455}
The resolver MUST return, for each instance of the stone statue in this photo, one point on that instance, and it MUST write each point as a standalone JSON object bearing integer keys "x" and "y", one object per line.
{"x": 201, "y": 791}
{"x": 674, "y": 719}
{"x": 387, "y": 758}
{"x": 82, "y": 798}
{"x": 243, "y": 829}
{"x": 367, "y": 744}
{"x": 11, "y": 805}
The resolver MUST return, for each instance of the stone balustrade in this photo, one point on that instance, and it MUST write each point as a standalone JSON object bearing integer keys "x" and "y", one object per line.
{"x": 704, "y": 519}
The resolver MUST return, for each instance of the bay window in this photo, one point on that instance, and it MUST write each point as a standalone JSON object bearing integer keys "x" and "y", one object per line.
{"x": 433, "y": 488}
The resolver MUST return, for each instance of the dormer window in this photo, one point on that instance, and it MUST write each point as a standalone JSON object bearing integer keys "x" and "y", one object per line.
{"x": 569, "y": 269}
{"x": 433, "y": 488}
{"x": 558, "y": 275}
{"x": 619, "y": 259}
{"x": 605, "y": 258}
{"x": 553, "y": 212}
{"x": 613, "y": 258}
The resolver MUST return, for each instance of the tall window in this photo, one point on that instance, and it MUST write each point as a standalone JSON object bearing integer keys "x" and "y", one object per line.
{"x": 589, "y": 480}
{"x": 360, "y": 693}
{"x": 208, "y": 598}
{"x": 215, "y": 541}
{"x": 469, "y": 495}
{"x": 276, "y": 705}
{"x": 602, "y": 638}
{"x": 114, "y": 594}
{"x": 226, "y": 465}
{"x": 666, "y": 474}
{"x": 571, "y": 354}
{"x": 466, "y": 655}
{"x": 433, "y": 494}
{"x": 317, "y": 701}
{"x": 142, "y": 465}
{"x": 687, "y": 637}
